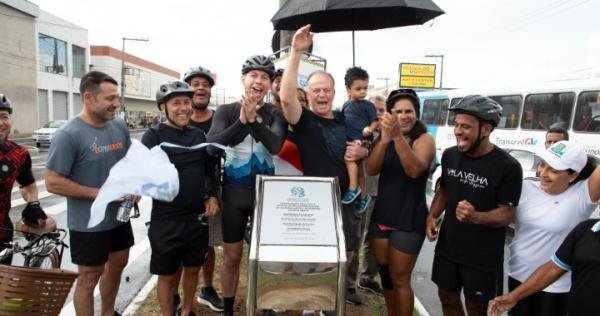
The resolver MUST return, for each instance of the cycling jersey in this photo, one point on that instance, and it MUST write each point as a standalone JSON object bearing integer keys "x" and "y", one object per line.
{"x": 250, "y": 145}
{"x": 15, "y": 165}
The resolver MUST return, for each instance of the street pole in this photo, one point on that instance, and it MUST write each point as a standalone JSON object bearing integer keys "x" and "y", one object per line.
{"x": 386, "y": 84}
{"x": 123, "y": 73}
{"x": 441, "y": 56}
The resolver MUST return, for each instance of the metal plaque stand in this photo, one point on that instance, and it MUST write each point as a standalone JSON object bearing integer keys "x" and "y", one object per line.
{"x": 297, "y": 257}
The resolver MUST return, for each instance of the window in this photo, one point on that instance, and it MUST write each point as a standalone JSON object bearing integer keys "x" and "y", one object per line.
{"x": 511, "y": 106}
{"x": 547, "y": 109}
{"x": 79, "y": 68}
{"x": 587, "y": 112}
{"x": 435, "y": 112}
{"x": 53, "y": 55}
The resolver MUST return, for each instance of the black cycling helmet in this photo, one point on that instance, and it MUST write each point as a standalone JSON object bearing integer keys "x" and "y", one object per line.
{"x": 479, "y": 106}
{"x": 259, "y": 62}
{"x": 170, "y": 89}
{"x": 5, "y": 104}
{"x": 198, "y": 72}
{"x": 278, "y": 73}
{"x": 403, "y": 94}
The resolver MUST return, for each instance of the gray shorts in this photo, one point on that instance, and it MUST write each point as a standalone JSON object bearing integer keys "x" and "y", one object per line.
{"x": 215, "y": 237}
{"x": 407, "y": 242}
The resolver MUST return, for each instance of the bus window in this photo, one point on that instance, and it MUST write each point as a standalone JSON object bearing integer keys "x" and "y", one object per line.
{"x": 451, "y": 115}
{"x": 511, "y": 107}
{"x": 547, "y": 109}
{"x": 587, "y": 112}
{"x": 434, "y": 111}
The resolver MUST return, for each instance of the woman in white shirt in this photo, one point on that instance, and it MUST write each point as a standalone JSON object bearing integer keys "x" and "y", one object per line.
{"x": 549, "y": 208}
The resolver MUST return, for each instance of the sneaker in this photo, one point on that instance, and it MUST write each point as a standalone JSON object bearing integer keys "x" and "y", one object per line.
{"x": 209, "y": 297}
{"x": 268, "y": 312}
{"x": 327, "y": 313}
{"x": 352, "y": 297}
{"x": 371, "y": 286}
{"x": 308, "y": 312}
{"x": 351, "y": 195}
{"x": 363, "y": 204}
{"x": 176, "y": 301}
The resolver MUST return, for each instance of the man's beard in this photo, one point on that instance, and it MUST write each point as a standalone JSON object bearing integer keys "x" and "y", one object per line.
{"x": 199, "y": 106}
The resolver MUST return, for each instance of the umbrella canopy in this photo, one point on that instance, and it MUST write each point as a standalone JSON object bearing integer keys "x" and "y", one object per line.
{"x": 353, "y": 15}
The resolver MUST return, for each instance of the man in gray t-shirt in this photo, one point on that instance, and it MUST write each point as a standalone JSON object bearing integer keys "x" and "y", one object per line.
{"x": 79, "y": 161}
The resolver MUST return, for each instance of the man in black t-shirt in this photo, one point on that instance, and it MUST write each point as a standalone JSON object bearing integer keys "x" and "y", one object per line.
{"x": 480, "y": 188}
{"x": 201, "y": 81}
{"x": 178, "y": 231}
{"x": 320, "y": 136}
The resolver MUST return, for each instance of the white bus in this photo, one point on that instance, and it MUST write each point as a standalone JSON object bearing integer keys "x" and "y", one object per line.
{"x": 527, "y": 115}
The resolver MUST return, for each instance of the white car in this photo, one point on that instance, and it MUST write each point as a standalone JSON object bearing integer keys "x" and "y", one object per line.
{"x": 43, "y": 136}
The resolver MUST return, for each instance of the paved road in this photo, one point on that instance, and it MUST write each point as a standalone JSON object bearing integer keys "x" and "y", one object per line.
{"x": 136, "y": 273}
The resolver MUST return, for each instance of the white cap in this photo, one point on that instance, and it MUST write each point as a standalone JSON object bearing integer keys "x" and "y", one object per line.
{"x": 564, "y": 155}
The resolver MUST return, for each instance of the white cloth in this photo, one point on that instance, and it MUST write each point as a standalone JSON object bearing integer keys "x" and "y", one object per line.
{"x": 144, "y": 172}
{"x": 542, "y": 223}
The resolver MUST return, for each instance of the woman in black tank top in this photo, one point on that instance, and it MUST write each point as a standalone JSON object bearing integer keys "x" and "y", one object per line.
{"x": 402, "y": 157}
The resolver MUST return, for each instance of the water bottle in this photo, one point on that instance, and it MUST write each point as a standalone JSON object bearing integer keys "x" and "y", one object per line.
{"x": 125, "y": 209}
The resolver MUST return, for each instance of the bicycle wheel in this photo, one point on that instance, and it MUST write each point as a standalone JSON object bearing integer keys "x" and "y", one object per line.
{"x": 46, "y": 262}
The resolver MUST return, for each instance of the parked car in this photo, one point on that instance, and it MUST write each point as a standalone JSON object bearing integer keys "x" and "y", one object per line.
{"x": 43, "y": 136}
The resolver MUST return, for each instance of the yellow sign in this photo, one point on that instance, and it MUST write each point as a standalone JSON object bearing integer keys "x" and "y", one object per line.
{"x": 420, "y": 70}
{"x": 417, "y": 82}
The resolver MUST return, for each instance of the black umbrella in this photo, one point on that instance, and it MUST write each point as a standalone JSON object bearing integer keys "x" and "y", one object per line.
{"x": 353, "y": 15}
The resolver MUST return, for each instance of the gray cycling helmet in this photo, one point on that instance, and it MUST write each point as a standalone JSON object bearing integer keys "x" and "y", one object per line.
{"x": 198, "y": 72}
{"x": 171, "y": 89}
{"x": 259, "y": 62}
{"x": 5, "y": 104}
{"x": 479, "y": 106}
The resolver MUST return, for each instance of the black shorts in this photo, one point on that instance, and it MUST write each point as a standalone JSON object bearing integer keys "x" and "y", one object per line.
{"x": 407, "y": 242}
{"x": 176, "y": 243}
{"x": 539, "y": 304}
{"x": 351, "y": 227}
{"x": 92, "y": 248}
{"x": 478, "y": 285}
{"x": 238, "y": 205}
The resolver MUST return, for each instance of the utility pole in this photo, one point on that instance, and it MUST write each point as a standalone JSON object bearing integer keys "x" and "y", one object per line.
{"x": 386, "y": 84}
{"x": 123, "y": 72}
{"x": 441, "y": 56}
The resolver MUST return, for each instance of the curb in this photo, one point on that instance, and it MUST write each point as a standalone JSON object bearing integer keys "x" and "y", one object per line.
{"x": 140, "y": 297}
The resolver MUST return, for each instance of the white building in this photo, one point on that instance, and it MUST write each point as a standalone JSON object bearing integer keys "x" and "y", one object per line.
{"x": 142, "y": 79}
{"x": 62, "y": 54}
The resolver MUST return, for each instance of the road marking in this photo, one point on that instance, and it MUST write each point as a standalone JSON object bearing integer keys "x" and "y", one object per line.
{"x": 56, "y": 208}
{"x": 16, "y": 187}
{"x": 21, "y": 201}
{"x": 141, "y": 297}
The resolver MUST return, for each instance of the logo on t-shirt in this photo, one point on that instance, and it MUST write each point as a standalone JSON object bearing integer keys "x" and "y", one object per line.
{"x": 102, "y": 149}
{"x": 468, "y": 178}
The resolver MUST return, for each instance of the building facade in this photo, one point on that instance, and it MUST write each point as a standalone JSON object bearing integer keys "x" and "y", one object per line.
{"x": 62, "y": 61}
{"x": 142, "y": 79}
{"x": 18, "y": 47}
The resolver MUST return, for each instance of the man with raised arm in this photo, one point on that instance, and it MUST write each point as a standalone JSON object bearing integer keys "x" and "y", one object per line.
{"x": 320, "y": 133}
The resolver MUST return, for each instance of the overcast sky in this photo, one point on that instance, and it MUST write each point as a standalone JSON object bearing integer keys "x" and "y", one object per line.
{"x": 485, "y": 43}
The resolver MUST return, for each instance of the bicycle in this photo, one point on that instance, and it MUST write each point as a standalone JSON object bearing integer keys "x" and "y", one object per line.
{"x": 41, "y": 251}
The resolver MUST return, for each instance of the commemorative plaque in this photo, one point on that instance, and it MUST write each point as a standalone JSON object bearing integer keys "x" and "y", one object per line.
{"x": 297, "y": 257}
